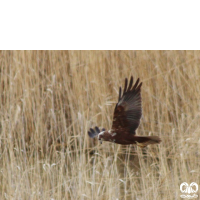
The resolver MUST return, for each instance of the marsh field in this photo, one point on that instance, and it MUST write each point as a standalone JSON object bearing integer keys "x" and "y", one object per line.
{"x": 49, "y": 100}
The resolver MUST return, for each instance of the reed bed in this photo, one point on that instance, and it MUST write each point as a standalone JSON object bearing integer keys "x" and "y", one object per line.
{"x": 49, "y": 100}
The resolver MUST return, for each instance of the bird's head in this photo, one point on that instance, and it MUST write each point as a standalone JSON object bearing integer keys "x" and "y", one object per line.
{"x": 103, "y": 136}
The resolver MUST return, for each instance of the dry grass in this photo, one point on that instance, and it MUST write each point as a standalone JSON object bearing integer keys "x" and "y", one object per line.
{"x": 49, "y": 99}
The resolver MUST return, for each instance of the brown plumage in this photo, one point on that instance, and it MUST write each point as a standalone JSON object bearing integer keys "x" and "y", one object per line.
{"x": 126, "y": 120}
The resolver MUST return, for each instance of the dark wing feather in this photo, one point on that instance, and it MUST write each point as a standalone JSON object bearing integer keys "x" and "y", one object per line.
{"x": 128, "y": 110}
{"x": 94, "y": 132}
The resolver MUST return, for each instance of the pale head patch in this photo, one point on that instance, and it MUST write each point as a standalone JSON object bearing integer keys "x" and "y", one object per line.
{"x": 101, "y": 133}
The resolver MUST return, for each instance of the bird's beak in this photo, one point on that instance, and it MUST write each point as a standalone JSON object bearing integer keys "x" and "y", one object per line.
{"x": 101, "y": 140}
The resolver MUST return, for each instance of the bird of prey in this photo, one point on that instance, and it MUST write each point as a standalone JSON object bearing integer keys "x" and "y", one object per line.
{"x": 126, "y": 119}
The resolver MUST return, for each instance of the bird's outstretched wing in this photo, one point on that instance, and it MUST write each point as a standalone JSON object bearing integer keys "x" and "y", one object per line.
{"x": 128, "y": 110}
{"x": 94, "y": 132}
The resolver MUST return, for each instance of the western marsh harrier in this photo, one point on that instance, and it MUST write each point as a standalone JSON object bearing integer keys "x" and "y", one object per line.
{"x": 127, "y": 114}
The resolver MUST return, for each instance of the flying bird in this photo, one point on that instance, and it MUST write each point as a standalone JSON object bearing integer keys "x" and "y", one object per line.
{"x": 126, "y": 119}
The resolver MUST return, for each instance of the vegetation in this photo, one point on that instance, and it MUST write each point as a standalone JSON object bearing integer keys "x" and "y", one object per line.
{"x": 49, "y": 100}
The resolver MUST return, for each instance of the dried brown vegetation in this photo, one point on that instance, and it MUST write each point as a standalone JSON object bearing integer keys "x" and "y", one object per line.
{"x": 49, "y": 99}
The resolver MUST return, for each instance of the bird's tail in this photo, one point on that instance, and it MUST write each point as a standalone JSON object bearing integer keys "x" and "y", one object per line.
{"x": 143, "y": 141}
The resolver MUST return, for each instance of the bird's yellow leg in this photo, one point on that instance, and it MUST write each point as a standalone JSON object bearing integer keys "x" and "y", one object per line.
{"x": 141, "y": 145}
